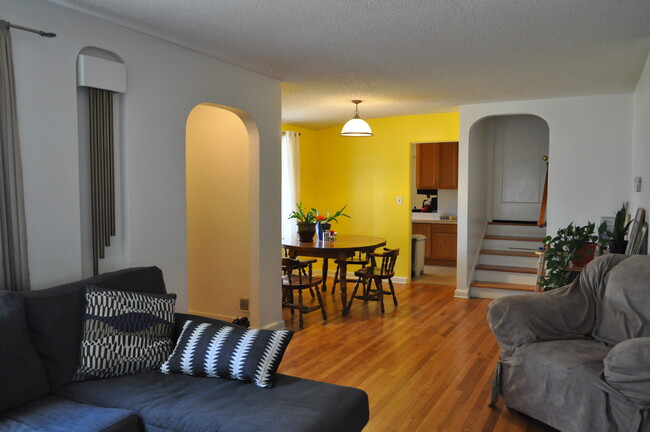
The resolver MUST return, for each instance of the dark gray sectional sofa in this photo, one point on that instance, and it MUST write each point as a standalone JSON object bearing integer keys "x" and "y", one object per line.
{"x": 40, "y": 336}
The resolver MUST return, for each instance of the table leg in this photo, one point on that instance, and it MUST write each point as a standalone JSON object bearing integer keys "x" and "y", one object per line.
{"x": 343, "y": 285}
{"x": 325, "y": 265}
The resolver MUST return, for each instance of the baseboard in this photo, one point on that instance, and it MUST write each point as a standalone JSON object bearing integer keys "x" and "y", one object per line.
{"x": 491, "y": 293}
{"x": 278, "y": 325}
{"x": 459, "y": 293}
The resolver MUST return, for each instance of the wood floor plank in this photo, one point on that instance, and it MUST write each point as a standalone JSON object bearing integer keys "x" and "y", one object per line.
{"x": 426, "y": 364}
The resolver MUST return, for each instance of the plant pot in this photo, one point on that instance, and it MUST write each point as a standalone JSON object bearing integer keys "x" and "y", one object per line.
{"x": 306, "y": 231}
{"x": 584, "y": 255}
{"x": 321, "y": 229}
{"x": 617, "y": 247}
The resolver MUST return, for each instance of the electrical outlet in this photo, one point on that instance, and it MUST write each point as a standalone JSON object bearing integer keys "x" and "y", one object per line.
{"x": 637, "y": 184}
{"x": 399, "y": 200}
{"x": 243, "y": 304}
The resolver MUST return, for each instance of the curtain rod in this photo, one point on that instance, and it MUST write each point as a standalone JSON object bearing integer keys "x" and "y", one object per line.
{"x": 40, "y": 32}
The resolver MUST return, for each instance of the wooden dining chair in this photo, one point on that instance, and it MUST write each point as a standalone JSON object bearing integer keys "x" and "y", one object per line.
{"x": 382, "y": 268}
{"x": 359, "y": 259}
{"x": 297, "y": 276}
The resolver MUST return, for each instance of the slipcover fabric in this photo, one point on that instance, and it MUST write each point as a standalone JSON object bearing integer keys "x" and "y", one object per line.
{"x": 578, "y": 357}
{"x": 55, "y": 316}
{"x": 187, "y": 403}
{"x": 226, "y": 351}
{"x": 124, "y": 332}
{"x": 55, "y": 414}
{"x": 22, "y": 374}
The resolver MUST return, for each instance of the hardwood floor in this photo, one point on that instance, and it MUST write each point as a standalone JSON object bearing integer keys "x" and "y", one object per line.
{"x": 426, "y": 364}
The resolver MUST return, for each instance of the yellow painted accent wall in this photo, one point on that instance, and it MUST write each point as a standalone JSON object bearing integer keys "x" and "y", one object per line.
{"x": 368, "y": 174}
{"x": 218, "y": 221}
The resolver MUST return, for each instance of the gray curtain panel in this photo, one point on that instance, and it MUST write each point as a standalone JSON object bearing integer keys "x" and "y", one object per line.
{"x": 14, "y": 271}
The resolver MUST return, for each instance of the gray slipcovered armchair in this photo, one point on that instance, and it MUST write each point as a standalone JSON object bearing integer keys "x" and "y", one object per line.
{"x": 578, "y": 358}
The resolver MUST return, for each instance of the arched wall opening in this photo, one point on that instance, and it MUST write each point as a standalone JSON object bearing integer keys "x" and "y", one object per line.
{"x": 478, "y": 193}
{"x": 220, "y": 231}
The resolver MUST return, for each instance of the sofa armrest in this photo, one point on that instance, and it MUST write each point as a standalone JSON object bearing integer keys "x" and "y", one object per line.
{"x": 627, "y": 368}
{"x": 558, "y": 314}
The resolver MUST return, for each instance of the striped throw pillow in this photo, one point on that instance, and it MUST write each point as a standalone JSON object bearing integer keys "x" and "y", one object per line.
{"x": 227, "y": 351}
{"x": 124, "y": 332}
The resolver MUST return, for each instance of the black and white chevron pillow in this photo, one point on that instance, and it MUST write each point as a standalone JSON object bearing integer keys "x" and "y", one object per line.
{"x": 226, "y": 351}
{"x": 124, "y": 332}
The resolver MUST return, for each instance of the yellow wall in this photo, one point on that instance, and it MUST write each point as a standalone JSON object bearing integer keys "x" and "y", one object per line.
{"x": 368, "y": 174}
{"x": 218, "y": 221}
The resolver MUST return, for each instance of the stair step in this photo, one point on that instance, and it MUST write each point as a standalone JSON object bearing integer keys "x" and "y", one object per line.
{"x": 515, "y": 253}
{"x": 504, "y": 286}
{"x": 510, "y": 269}
{"x": 514, "y": 238}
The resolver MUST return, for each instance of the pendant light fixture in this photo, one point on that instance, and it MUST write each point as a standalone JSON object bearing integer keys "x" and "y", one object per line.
{"x": 356, "y": 126}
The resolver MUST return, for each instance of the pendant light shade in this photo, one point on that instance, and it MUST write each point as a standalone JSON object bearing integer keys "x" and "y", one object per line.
{"x": 356, "y": 126}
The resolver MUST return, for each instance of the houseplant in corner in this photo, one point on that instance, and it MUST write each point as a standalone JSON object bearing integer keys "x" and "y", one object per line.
{"x": 306, "y": 223}
{"x": 617, "y": 242}
{"x": 325, "y": 221}
{"x": 570, "y": 247}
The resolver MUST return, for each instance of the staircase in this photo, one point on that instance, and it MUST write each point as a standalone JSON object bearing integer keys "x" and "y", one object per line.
{"x": 507, "y": 263}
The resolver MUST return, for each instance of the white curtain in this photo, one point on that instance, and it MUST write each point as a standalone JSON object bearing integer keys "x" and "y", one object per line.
{"x": 290, "y": 180}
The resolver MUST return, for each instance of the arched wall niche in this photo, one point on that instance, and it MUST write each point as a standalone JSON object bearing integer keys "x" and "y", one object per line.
{"x": 222, "y": 152}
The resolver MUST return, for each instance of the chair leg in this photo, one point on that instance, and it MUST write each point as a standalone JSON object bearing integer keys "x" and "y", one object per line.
{"x": 322, "y": 306}
{"x": 336, "y": 279}
{"x": 392, "y": 291}
{"x": 311, "y": 291}
{"x": 300, "y": 308}
{"x": 380, "y": 294}
{"x": 354, "y": 291}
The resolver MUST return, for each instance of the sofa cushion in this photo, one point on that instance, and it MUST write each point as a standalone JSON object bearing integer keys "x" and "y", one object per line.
{"x": 55, "y": 414}
{"x": 22, "y": 374}
{"x": 186, "y": 403}
{"x": 623, "y": 309}
{"x": 124, "y": 332}
{"x": 226, "y": 351}
{"x": 55, "y": 316}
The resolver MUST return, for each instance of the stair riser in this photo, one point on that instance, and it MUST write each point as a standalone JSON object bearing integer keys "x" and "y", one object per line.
{"x": 516, "y": 230}
{"x": 508, "y": 244}
{"x": 505, "y": 260}
{"x": 505, "y": 277}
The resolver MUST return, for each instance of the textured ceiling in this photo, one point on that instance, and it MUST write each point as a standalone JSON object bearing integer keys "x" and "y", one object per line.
{"x": 404, "y": 56}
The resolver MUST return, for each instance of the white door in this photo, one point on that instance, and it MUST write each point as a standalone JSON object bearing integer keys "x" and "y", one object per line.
{"x": 520, "y": 142}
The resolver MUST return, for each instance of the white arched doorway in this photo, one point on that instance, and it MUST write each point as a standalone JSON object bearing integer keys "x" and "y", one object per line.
{"x": 478, "y": 157}
{"x": 219, "y": 218}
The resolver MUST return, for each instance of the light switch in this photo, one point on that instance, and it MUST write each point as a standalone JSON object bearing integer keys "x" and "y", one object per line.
{"x": 399, "y": 200}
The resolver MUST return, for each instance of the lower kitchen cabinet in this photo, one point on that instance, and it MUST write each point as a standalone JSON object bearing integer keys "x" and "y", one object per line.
{"x": 440, "y": 246}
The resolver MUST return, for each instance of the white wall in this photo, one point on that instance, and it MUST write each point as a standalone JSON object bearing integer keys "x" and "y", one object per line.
{"x": 641, "y": 141}
{"x": 164, "y": 83}
{"x": 590, "y": 150}
{"x": 472, "y": 222}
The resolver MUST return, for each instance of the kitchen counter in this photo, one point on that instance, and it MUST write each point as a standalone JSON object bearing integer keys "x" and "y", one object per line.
{"x": 435, "y": 221}
{"x": 430, "y": 218}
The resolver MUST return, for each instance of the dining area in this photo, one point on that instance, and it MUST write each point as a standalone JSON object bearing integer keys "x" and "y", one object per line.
{"x": 366, "y": 257}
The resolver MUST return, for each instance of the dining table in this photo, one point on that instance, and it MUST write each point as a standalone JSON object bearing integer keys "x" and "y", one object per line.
{"x": 340, "y": 249}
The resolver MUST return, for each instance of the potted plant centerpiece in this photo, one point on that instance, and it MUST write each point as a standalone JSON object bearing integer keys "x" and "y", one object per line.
{"x": 617, "y": 242}
{"x": 306, "y": 223}
{"x": 572, "y": 246}
{"x": 324, "y": 221}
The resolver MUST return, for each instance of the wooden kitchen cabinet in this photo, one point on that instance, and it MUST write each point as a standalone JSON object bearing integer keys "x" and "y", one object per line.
{"x": 437, "y": 165}
{"x": 441, "y": 244}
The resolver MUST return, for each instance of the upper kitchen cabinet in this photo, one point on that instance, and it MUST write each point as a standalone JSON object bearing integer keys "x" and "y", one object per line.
{"x": 437, "y": 165}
